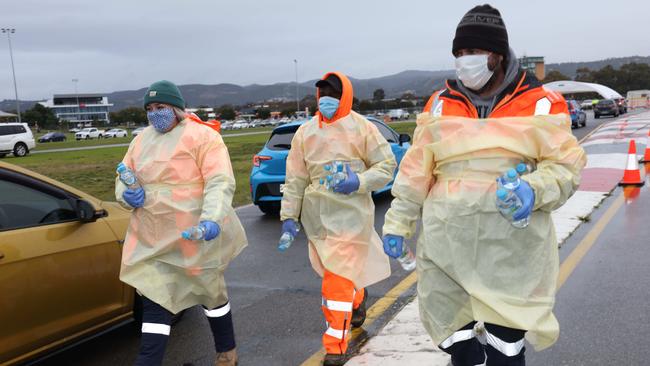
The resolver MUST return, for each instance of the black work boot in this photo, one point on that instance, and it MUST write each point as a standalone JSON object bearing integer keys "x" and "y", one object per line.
{"x": 334, "y": 359}
{"x": 359, "y": 314}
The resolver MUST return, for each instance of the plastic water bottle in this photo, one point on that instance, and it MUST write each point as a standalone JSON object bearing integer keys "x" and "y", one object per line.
{"x": 507, "y": 201}
{"x": 407, "y": 259}
{"x": 329, "y": 184}
{"x": 287, "y": 239}
{"x": 194, "y": 233}
{"x": 127, "y": 176}
{"x": 521, "y": 169}
{"x": 340, "y": 175}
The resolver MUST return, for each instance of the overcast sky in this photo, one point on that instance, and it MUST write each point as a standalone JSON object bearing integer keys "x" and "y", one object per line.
{"x": 114, "y": 45}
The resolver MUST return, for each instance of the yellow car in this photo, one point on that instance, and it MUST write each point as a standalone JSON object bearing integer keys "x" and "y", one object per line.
{"x": 60, "y": 253}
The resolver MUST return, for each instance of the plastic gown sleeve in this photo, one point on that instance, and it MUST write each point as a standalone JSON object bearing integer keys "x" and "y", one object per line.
{"x": 411, "y": 187}
{"x": 119, "y": 186}
{"x": 558, "y": 172}
{"x": 297, "y": 179}
{"x": 219, "y": 181}
{"x": 380, "y": 160}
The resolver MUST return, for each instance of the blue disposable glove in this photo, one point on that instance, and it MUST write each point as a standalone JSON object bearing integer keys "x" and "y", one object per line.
{"x": 350, "y": 184}
{"x": 211, "y": 229}
{"x": 134, "y": 197}
{"x": 527, "y": 197}
{"x": 395, "y": 249}
{"x": 289, "y": 226}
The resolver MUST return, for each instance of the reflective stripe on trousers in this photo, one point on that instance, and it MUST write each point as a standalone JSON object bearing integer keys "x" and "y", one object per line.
{"x": 504, "y": 346}
{"x": 339, "y": 300}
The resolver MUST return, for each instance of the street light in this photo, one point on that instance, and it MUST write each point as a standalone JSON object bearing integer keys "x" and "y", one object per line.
{"x": 297, "y": 97}
{"x": 75, "y": 81}
{"x": 9, "y": 31}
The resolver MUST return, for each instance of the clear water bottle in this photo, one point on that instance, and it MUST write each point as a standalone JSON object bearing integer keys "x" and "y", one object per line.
{"x": 127, "y": 176}
{"x": 287, "y": 239}
{"x": 194, "y": 233}
{"x": 339, "y": 175}
{"x": 521, "y": 169}
{"x": 329, "y": 182}
{"x": 407, "y": 259}
{"x": 507, "y": 201}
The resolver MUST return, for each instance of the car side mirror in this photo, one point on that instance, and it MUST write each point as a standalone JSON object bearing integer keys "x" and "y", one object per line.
{"x": 87, "y": 213}
{"x": 403, "y": 137}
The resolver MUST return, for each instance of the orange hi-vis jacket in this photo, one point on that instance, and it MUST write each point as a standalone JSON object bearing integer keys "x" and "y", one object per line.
{"x": 526, "y": 96}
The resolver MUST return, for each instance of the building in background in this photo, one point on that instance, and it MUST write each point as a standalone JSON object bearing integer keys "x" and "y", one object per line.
{"x": 80, "y": 108}
{"x": 534, "y": 64}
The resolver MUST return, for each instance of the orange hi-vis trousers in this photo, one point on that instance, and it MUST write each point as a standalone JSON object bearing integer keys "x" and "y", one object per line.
{"x": 339, "y": 299}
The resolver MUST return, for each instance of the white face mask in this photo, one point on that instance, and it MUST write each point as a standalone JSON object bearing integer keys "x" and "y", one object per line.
{"x": 473, "y": 71}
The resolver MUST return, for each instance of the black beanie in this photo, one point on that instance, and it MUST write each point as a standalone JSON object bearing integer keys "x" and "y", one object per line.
{"x": 482, "y": 28}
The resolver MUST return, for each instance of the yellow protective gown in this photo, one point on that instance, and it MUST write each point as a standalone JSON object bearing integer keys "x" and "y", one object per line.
{"x": 187, "y": 178}
{"x": 340, "y": 227}
{"x": 473, "y": 264}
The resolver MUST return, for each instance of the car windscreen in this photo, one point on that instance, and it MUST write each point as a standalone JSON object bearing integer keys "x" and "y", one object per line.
{"x": 606, "y": 102}
{"x": 281, "y": 139}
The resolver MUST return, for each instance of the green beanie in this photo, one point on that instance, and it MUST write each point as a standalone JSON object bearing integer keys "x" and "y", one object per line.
{"x": 164, "y": 92}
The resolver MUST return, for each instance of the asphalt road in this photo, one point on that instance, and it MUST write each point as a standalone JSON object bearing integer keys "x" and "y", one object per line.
{"x": 603, "y": 307}
{"x": 275, "y": 300}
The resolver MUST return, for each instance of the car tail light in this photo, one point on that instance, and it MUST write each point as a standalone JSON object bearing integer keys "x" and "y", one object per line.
{"x": 257, "y": 159}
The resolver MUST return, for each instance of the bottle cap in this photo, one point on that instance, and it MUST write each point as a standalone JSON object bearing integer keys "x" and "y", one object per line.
{"x": 521, "y": 168}
{"x": 327, "y": 167}
{"x": 322, "y": 181}
{"x": 501, "y": 193}
{"x": 511, "y": 174}
{"x": 339, "y": 168}
{"x": 392, "y": 242}
{"x": 329, "y": 178}
{"x": 121, "y": 167}
{"x": 185, "y": 235}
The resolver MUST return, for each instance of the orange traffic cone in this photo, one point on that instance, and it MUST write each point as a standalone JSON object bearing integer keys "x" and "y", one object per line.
{"x": 632, "y": 175}
{"x": 646, "y": 156}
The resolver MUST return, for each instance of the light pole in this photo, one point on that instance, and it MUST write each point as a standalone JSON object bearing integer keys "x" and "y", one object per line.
{"x": 9, "y": 31}
{"x": 76, "y": 94}
{"x": 297, "y": 96}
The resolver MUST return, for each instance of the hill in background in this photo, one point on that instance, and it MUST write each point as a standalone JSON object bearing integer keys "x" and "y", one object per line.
{"x": 417, "y": 82}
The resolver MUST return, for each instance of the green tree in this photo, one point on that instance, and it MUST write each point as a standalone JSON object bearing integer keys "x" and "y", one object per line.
{"x": 226, "y": 112}
{"x": 288, "y": 112}
{"x": 555, "y": 75}
{"x": 263, "y": 113}
{"x": 135, "y": 115}
{"x": 378, "y": 95}
{"x": 41, "y": 115}
{"x": 584, "y": 74}
{"x": 203, "y": 115}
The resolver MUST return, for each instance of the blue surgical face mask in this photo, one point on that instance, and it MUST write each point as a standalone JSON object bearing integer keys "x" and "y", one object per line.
{"x": 328, "y": 106}
{"x": 162, "y": 119}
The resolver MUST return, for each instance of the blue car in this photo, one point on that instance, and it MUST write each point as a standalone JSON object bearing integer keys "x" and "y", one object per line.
{"x": 578, "y": 116}
{"x": 269, "y": 165}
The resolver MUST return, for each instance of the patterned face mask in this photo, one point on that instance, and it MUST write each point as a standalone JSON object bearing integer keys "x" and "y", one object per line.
{"x": 162, "y": 119}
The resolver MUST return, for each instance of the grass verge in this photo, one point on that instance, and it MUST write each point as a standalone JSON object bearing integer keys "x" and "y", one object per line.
{"x": 93, "y": 171}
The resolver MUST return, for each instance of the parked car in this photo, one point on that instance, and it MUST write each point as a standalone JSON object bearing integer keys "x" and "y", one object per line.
{"x": 621, "y": 104}
{"x": 586, "y": 104}
{"x": 578, "y": 116}
{"x": 398, "y": 114}
{"x": 227, "y": 125}
{"x": 52, "y": 137}
{"x": 269, "y": 165}
{"x": 606, "y": 107}
{"x": 238, "y": 125}
{"x": 60, "y": 257}
{"x": 137, "y": 131}
{"x": 115, "y": 132}
{"x": 74, "y": 130}
{"x": 88, "y": 133}
{"x": 15, "y": 138}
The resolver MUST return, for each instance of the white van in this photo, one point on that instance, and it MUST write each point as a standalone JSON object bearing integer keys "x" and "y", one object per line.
{"x": 15, "y": 138}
